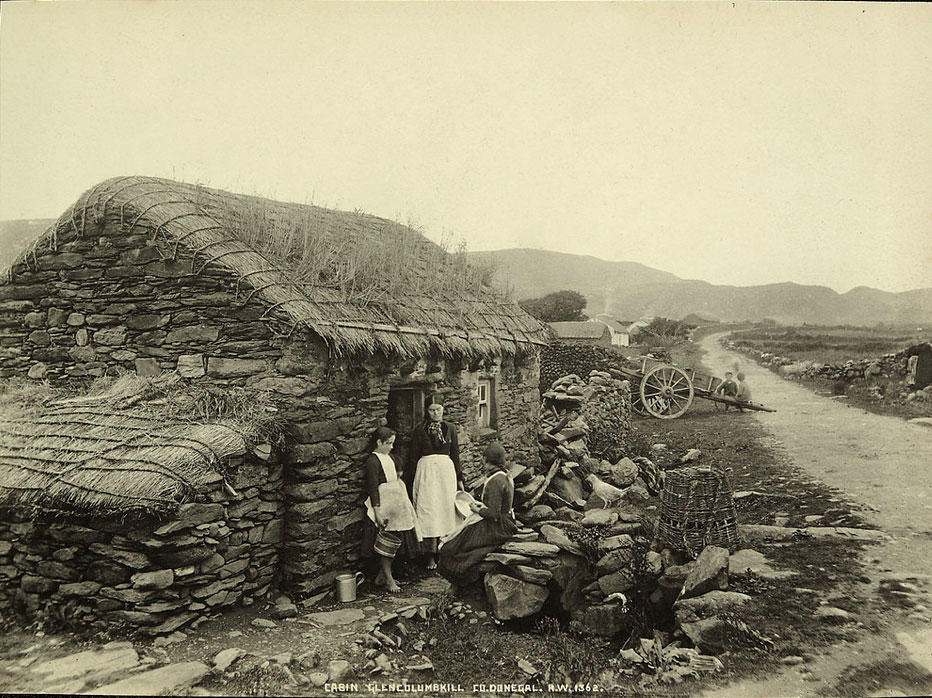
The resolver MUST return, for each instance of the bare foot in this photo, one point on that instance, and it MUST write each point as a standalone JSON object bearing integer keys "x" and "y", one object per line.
{"x": 392, "y": 587}
{"x": 431, "y": 565}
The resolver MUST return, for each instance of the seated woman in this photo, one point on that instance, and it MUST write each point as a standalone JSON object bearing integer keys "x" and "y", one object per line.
{"x": 390, "y": 518}
{"x": 491, "y": 524}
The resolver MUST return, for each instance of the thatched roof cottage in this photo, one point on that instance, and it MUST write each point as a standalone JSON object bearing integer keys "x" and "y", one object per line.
{"x": 346, "y": 320}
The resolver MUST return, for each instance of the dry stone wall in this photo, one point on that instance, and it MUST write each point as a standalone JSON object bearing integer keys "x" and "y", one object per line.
{"x": 150, "y": 577}
{"x": 335, "y": 407}
{"x": 113, "y": 302}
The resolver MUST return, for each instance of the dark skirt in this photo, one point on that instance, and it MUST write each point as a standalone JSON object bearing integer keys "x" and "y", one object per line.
{"x": 460, "y": 557}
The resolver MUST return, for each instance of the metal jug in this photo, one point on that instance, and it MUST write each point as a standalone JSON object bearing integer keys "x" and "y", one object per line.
{"x": 347, "y": 585}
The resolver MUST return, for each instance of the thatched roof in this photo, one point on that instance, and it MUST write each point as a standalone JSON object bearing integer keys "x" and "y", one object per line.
{"x": 578, "y": 330}
{"x": 135, "y": 444}
{"x": 360, "y": 282}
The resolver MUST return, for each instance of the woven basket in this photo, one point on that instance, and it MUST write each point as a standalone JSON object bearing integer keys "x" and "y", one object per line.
{"x": 696, "y": 509}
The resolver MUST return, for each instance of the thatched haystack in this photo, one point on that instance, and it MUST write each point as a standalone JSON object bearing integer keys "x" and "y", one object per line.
{"x": 141, "y": 505}
{"x": 134, "y": 444}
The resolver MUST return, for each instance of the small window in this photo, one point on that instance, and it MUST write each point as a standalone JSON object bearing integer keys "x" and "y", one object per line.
{"x": 486, "y": 405}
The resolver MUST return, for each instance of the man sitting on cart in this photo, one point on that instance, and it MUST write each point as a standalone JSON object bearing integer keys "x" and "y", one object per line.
{"x": 727, "y": 388}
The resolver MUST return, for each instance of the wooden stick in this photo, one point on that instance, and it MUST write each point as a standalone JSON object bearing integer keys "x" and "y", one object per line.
{"x": 543, "y": 488}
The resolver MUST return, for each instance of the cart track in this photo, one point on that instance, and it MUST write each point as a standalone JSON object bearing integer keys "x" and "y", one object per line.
{"x": 882, "y": 463}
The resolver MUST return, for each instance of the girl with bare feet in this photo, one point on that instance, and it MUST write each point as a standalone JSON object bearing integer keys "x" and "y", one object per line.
{"x": 391, "y": 519}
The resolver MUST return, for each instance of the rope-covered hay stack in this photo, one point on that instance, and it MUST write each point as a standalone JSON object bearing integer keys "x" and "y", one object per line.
{"x": 132, "y": 444}
{"x": 696, "y": 509}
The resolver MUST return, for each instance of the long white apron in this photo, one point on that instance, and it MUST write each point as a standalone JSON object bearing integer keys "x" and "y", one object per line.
{"x": 393, "y": 500}
{"x": 434, "y": 494}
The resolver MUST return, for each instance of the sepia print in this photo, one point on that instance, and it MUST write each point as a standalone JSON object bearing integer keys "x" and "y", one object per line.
{"x": 466, "y": 348}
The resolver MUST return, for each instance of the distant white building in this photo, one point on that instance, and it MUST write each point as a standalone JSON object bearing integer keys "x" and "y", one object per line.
{"x": 618, "y": 333}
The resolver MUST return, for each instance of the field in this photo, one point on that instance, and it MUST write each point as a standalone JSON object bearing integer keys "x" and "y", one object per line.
{"x": 829, "y": 344}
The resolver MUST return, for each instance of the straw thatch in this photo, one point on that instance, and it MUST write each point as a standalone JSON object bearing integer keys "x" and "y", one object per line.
{"x": 360, "y": 282}
{"x": 133, "y": 444}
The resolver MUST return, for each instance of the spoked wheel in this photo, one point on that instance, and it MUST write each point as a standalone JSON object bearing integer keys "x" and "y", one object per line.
{"x": 666, "y": 392}
{"x": 638, "y": 406}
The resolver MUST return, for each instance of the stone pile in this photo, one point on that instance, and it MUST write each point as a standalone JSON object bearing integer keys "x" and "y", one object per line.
{"x": 150, "y": 577}
{"x": 582, "y": 418}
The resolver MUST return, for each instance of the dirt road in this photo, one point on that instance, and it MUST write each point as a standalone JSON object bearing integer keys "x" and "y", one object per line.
{"x": 882, "y": 463}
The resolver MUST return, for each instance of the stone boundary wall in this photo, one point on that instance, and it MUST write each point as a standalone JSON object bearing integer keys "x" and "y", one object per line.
{"x": 886, "y": 366}
{"x": 151, "y": 577}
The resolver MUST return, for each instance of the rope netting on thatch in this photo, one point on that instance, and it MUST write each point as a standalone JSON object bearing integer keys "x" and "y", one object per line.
{"x": 361, "y": 282}
{"x": 132, "y": 444}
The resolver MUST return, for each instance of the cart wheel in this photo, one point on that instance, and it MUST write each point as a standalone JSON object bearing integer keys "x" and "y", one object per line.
{"x": 638, "y": 406}
{"x": 666, "y": 392}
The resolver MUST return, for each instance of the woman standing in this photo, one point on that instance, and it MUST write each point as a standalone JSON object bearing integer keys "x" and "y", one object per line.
{"x": 390, "y": 515}
{"x": 491, "y": 524}
{"x": 433, "y": 475}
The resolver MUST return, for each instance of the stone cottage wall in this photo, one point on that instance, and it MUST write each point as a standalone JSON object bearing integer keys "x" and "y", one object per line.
{"x": 150, "y": 577}
{"x": 113, "y": 301}
{"x": 335, "y": 407}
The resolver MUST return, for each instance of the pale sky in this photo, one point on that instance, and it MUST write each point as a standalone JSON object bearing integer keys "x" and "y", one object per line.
{"x": 746, "y": 144}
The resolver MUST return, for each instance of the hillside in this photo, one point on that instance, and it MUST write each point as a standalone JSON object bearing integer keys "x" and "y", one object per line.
{"x": 629, "y": 290}
{"x": 15, "y": 235}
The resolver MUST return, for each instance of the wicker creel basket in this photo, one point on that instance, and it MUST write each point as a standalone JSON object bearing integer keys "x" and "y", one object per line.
{"x": 696, "y": 509}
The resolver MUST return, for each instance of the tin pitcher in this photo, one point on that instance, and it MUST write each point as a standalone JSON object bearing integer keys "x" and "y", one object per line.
{"x": 347, "y": 585}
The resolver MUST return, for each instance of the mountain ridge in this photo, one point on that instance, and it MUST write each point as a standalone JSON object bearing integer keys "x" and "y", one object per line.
{"x": 628, "y": 290}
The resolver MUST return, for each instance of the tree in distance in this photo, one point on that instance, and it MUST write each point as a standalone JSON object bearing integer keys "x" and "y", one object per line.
{"x": 559, "y": 306}
{"x": 665, "y": 328}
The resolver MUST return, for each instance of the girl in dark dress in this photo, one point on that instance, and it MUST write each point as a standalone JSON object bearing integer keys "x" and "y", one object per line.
{"x": 491, "y": 524}
{"x": 434, "y": 476}
{"x": 390, "y": 519}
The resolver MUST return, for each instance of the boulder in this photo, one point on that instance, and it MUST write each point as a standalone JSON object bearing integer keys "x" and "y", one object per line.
{"x": 708, "y": 635}
{"x": 337, "y": 669}
{"x": 225, "y": 658}
{"x": 531, "y": 574}
{"x": 622, "y": 540}
{"x": 538, "y": 512}
{"x": 167, "y": 679}
{"x": 512, "y": 598}
{"x": 530, "y": 548}
{"x": 557, "y": 537}
{"x": 747, "y": 560}
{"x": 622, "y": 473}
{"x": 569, "y": 488}
{"x": 509, "y": 559}
{"x": 599, "y": 517}
{"x": 709, "y": 604}
{"x": 614, "y": 560}
{"x": 605, "y": 619}
{"x": 709, "y": 573}
{"x": 619, "y": 581}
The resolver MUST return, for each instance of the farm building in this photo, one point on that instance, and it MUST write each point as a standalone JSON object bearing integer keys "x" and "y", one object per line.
{"x": 583, "y": 332}
{"x": 347, "y": 321}
{"x": 617, "y": 330}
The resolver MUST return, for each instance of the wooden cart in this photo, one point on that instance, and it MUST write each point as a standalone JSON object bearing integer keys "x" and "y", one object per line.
{"x": 665, "y": 391}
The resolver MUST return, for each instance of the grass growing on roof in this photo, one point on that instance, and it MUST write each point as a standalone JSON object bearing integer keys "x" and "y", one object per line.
{"x": 127, "y": 444}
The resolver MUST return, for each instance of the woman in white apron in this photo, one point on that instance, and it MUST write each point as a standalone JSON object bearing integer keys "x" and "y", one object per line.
{"x": 491, "y": 524}
{"x": 390, "y": 514}
{"x": 433, "y": 475}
